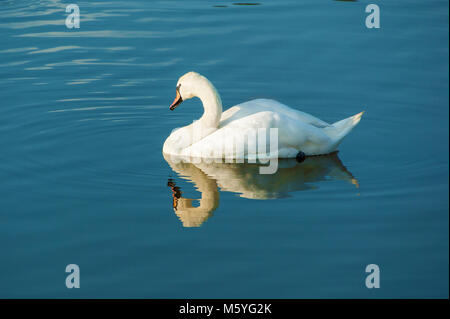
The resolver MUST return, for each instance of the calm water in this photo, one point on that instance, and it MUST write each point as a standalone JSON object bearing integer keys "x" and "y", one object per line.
{"x": 84, "y": 114}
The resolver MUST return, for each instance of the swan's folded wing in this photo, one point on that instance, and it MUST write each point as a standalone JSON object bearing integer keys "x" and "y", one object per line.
{"x": 262, "y": 105}
{"x": 239, "y": 131}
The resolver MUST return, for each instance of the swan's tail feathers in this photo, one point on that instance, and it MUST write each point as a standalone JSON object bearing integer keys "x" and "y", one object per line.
{"x": 337, "y": 131}
{"x": 348, "y": 123}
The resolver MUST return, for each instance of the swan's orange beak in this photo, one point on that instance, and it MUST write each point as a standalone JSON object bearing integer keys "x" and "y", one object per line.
{"x": 176, "y": 102}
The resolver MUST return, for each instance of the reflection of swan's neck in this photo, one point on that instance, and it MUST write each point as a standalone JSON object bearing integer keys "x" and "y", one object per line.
{"x": 190, "y": 215}
{"x": 212, "y": 105}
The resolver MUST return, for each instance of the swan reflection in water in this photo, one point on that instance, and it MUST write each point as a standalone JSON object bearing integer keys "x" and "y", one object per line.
{"x": 246, "y": 180}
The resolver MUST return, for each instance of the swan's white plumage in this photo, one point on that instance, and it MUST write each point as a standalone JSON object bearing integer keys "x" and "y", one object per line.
{"x": 215, "y": 133}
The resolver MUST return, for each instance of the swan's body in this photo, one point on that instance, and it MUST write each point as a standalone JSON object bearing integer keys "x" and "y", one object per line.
{"x": 216, "y": 134}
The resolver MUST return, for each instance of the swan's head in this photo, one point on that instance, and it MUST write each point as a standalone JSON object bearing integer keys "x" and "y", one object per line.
{"x": 190, "y": 85}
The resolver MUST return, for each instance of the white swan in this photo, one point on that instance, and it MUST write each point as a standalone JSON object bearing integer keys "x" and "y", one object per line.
{"x": 216, "y": 134}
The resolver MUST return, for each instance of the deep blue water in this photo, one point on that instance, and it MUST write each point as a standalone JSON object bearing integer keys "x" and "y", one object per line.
{"x": 84, "y": 114}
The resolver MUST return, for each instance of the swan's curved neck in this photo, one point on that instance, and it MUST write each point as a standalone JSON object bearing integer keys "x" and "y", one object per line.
{"x": 212, "y": 105}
